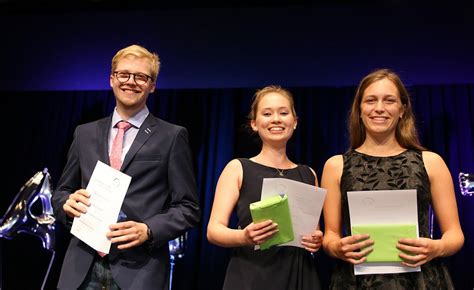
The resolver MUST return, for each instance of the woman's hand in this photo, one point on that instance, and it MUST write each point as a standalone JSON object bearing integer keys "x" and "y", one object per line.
{"x": 354, "y": 249}
{"x": 416, "y": 252}
{"x": 312, "y": 242}
{"x": 257, "y": 233}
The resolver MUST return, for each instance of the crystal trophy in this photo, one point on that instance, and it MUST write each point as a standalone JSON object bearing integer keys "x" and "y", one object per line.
{"x": 466, "y": 183}
{"x": 31, "y": 212}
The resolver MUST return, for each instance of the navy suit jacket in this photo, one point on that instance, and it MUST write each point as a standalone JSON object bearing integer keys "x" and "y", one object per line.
{"x": 162, "y": 194}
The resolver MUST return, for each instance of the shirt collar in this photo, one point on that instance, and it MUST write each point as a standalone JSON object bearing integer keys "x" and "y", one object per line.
{"x": 136, "y": 120}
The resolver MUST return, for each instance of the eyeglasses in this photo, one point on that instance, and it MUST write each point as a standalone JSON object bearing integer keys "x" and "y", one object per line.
{"x": 138, "y": 78}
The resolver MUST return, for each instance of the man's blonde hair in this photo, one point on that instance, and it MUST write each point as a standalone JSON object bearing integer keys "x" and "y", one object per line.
{"x": 138, "y": 51}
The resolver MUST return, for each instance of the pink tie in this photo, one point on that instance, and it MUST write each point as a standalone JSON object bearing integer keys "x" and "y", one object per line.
{"x": 116, "y": 152}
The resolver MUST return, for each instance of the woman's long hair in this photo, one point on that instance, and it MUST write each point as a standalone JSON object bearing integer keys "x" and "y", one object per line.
{"x": 405, "y": 133}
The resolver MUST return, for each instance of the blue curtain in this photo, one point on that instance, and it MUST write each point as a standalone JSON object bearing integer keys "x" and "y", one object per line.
{"x": 39, "y": 128}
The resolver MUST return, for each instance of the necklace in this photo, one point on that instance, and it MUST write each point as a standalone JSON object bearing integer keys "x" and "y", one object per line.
{"x": 281, "y": 172}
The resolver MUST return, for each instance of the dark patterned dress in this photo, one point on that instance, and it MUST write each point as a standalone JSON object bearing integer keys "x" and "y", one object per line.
{"x": 277, "y": 268}
{"x": 403, "y": 171}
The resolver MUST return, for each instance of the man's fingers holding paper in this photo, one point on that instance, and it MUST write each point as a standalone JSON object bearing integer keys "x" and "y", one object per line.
{"x": 77, "y": 203}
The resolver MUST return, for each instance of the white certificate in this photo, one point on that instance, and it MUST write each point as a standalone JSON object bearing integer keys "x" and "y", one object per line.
{"x": 304, "y": 200}
{"x": 383, "y": 207}
{"x": 107, "y": 188}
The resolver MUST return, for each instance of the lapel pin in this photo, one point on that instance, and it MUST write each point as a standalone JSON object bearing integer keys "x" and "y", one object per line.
{"x": 147, "y": 130}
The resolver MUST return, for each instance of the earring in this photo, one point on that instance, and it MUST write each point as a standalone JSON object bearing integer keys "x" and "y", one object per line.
{"x": 294, "y": 128}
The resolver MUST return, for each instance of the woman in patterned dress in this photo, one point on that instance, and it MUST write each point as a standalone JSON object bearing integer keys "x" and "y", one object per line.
{"x": 385, "y": 154}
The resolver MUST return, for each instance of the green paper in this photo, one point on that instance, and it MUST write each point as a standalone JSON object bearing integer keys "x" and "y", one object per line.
{"x": 274, "y": 208}
{"x": 385, "y": 237}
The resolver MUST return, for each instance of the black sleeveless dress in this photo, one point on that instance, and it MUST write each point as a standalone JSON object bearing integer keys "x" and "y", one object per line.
{"x": 285, "y": 268}
{"x": 402, "y": 171}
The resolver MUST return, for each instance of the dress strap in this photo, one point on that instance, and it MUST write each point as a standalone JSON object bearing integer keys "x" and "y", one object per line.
{"x": 306, "y": 174}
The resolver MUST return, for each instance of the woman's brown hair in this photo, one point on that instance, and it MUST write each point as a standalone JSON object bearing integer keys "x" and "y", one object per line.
{"x": 406, "y": 133}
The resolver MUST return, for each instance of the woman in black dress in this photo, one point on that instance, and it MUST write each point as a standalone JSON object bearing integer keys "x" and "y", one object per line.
{"x": 273, "y": 118}
{"x": 385, "y": 154}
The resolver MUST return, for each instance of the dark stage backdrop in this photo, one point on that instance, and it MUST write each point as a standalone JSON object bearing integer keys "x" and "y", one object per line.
{"x": 38, "y": 130}
{"x": 234, "y": 44}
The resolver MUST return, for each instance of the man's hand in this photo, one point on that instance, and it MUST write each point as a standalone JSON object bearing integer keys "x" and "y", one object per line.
{"x": 77, "y": 203}
{"x": 129, "y": 234}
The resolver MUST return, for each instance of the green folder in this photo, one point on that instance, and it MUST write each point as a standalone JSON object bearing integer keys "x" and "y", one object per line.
{"x": 274, "y": 208}
{"x": 385, "y": 237}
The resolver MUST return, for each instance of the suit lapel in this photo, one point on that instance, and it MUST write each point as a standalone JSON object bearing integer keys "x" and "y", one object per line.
{"x": 147, "y": 129}
{"x": 103, "y": 130}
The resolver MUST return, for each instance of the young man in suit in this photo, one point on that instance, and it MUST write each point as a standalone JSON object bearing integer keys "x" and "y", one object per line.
{"x": 161, "y": 202}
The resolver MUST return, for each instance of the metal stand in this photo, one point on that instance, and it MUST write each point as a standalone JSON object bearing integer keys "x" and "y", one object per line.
{"x": 49, "y": 269}
{"x": 172, "y": 262}
{"x": 177, "y": 248}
